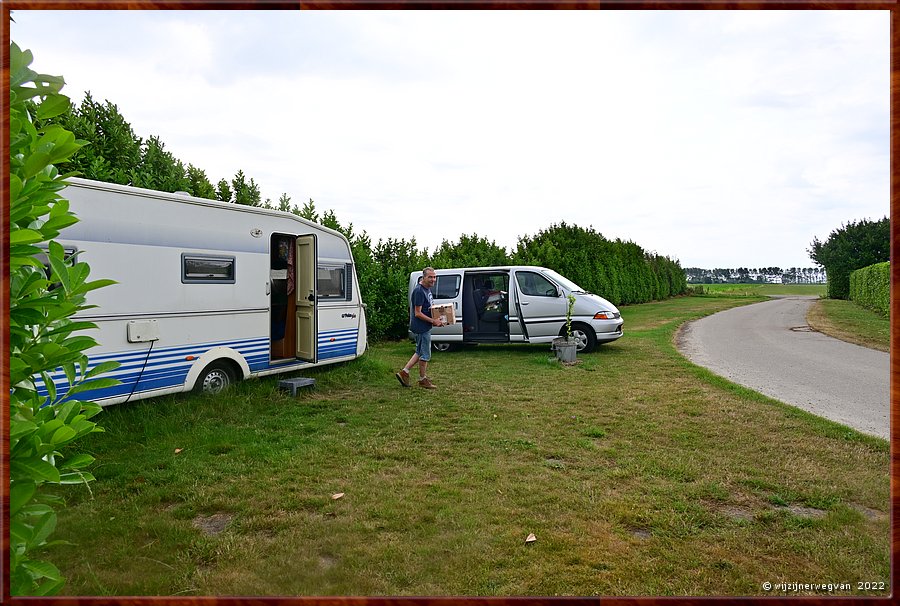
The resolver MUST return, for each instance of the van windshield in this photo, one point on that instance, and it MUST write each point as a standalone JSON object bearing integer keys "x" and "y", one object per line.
{"x": 564, "y": 282}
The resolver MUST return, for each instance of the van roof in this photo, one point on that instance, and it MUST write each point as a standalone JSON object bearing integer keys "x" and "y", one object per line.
{"x": 483, "y": 268}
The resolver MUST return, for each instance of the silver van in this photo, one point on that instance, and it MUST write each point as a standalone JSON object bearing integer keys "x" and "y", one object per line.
{"x": 517, "y": 304}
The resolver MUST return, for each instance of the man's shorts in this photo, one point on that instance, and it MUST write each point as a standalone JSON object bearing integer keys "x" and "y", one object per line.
{"x": 423, "y": 345}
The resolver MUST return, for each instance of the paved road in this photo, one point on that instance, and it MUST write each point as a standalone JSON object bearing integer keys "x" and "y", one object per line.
{"x": 769, "y": 347}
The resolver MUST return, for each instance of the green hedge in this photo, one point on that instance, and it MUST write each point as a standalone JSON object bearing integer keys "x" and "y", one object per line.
{"x": 871, "y": 287}
{"x": 619, "y": 271}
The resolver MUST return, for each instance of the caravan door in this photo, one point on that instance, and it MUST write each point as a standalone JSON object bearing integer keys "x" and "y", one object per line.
{"x": 306, "y": 297}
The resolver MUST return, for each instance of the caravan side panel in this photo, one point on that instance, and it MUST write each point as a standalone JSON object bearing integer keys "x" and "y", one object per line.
{"x": 142, "y": 239}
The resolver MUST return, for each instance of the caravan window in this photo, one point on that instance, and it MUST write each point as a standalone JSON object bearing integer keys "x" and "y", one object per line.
{"x": 446, "y": 287}
{"x": 43, "y": 258}
{"x": 207, "y": 269}
{"x": 333, "y": 282}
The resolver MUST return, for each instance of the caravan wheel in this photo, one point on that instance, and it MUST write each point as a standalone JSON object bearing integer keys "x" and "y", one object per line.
{"x": 215, "y": 378}
{"x": 441, "y": 346}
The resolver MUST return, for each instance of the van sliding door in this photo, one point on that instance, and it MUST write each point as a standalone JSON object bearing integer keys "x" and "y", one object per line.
{"x": 306, "y": 297}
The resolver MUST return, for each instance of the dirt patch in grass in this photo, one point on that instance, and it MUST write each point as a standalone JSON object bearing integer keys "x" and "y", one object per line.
{"x": 806, "y": 512}
{"x": 212, "y": 525}
{"x": 738, "y": 513}
{"x": 868, "y": 512}
{"x": 640, "y": 533}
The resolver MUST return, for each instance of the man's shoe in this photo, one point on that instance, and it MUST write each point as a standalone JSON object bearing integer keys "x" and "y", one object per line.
{"x": 403, "y": 377}
{"x": 426, "y": 383}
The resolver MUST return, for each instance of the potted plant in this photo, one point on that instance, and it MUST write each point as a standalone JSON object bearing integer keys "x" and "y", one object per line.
{"x": 565, "y": 347}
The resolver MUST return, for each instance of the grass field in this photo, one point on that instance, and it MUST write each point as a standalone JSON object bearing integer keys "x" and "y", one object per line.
{"x": 638, "y": 473}
{"x": 849, "y": 322}
{"x": 763, "y": 289}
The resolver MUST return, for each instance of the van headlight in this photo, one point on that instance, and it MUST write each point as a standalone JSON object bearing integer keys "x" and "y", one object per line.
{"x": 606, "y": 315}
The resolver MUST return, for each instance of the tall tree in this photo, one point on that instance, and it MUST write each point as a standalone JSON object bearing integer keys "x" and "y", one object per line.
{"x": 159, "y": 169}
{"x": 113, "y": 151}
{"x": 852, "y": 246}
{"x": 223, "y": 191}
{"x": 284, "y": 203}
{"x": 244, "y": 192}
{"x": 200, "y": 185}
{"x": 309, "y": 211}
{"x": 469, "y": 251}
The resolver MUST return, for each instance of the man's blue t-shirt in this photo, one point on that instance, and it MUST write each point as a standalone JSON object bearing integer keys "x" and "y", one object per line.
{"x": 420, "y": 296}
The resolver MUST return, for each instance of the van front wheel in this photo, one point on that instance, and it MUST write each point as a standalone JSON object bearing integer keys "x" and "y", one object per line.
{"x": 441, "y": 346}
{"x": 215, "y": 378}
{"x": 585, "y": 338}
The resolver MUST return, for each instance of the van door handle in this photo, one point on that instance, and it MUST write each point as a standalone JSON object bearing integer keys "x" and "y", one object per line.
{"x": 525, "y": 302}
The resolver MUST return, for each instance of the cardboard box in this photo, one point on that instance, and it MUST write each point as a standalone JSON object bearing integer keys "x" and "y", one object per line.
{"x": 444, "y": 311}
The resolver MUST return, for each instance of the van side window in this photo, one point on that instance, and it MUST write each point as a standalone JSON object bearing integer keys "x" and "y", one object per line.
{"x": 207, "y": 269}
{"x": 446, "y": 287}
{"x": 535, "y": 285}
{"x": 334, "y": 282}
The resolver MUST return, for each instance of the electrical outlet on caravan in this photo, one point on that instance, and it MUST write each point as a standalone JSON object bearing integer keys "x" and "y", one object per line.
{"x": 208, "y": 292}
{"x": 518, "y": 304}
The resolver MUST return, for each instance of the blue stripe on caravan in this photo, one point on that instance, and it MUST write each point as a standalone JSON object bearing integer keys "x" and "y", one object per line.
{"x": 337, "y": 353}
{"x": 124, "y": 356}
{"x": 166, "y": 367}
{"x": 338, "y": 335}
{"x": 338, "y": 343}
{"x": 172, "y": 376}
{"x": 132, "y": 359}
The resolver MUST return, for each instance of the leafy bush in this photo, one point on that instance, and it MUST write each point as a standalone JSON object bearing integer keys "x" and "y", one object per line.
{"x": 871, "y": 287}
{"x": 42, "y": 331}
{"x": 850, "y": 247}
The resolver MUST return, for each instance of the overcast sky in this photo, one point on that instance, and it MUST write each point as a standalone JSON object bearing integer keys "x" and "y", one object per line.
{"x": 718, "y": 138}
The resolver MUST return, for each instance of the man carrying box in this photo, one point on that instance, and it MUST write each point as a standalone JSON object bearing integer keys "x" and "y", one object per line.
{"x": 421, "y": 323}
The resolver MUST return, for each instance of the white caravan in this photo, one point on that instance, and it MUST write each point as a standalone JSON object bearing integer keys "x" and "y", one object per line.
{"x": 208, "y": 292}
{"x": 518, "y": 304}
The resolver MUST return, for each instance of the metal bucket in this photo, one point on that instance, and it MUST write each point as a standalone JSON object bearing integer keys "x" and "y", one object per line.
{"x": 565, "y": 349}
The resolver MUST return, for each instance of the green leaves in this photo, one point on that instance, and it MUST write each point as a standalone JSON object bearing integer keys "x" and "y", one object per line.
{"x": 850, "y": 247}
{"x": 46, "y": 289}
{"x": 871, "y": 287}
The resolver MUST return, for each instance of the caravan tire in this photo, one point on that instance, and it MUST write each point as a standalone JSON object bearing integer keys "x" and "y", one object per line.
{"x": 441, "y": 346}
{"x": 215, "y": 378}
{"x": 585, "y": 338}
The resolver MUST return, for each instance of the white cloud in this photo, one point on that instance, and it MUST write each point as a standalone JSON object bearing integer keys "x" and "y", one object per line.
{"x": 719, "y": 138}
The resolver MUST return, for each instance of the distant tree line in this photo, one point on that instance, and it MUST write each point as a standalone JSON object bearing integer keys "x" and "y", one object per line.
{"x": 620, "y": 271}
{"x": 852, "y": 246}
{"x": 747, "y": 275}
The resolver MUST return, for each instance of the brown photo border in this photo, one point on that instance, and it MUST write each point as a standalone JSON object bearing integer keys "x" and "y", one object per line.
{"x": 10, "y": 5}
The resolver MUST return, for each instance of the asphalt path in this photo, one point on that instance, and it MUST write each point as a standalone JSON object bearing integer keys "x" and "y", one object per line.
{"x": 769, "y": 348}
